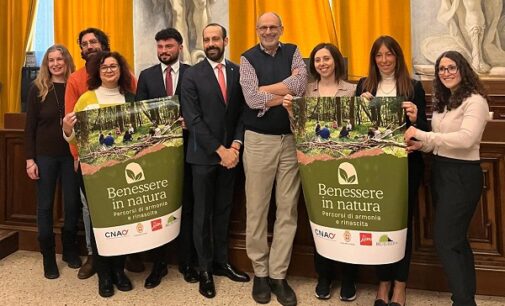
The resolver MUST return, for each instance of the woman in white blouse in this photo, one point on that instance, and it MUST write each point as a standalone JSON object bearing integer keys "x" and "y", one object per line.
{"x": 459, "y": 118}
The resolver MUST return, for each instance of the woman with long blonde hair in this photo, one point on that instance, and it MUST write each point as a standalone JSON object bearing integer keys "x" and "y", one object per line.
{"x": 48, "y": 158}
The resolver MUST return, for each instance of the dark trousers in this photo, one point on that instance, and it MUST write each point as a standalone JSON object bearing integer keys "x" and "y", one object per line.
{"x": 399, "y": 271}
{"x": 185, "y": 246}
{"x": 105, "y": 265}
{"x": 457, "y": 187}
{"x": 213, "y": 190}
{"x": 326, "y": 268}
{"x": 50, "y": 169}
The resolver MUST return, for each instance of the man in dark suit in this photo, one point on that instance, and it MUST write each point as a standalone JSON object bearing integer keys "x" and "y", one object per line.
{"x": 212, "y": 104}
{"x": 161, "y": 80}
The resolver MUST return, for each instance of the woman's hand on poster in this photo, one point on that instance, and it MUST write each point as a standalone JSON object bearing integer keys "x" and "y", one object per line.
{"x": 410, "y": 134}
{"x": 183, "y": 124}
{"x": 287, "y": 103}
{"x": 367, "y": 96}
{"x": 32, "y": 170}
{"x": 68, "y": 123}
{"x": 410, "y": 110}
{"x": 413, "y": 145}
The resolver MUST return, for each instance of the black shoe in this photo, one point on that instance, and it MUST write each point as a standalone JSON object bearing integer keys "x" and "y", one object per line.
{"x": 347, "y": 291}
{"x": 70, "y": 249}
{"x": 261, "y": 291}
{"x": 121, "y": 281}
{"x": 285, "y": 295}
{"x": 72, "y": 259}
{"x": 50, "y": 266}
{"x": 158, "y": 272}
{"x": 105, "y": 287}
{"x": 206, "y": 286}
{"x": 230, "y": 272}
{"x": 323, "y": 288}
{"x": 380, "y": 302}
{"x": 189, "y": 273}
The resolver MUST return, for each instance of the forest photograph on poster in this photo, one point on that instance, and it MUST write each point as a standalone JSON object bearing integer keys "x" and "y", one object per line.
{"x": 339, "y": 127}
{"x": 107, "y": 136}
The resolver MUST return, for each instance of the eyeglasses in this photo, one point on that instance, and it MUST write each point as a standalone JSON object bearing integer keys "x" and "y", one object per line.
{"x": 112, "y": 68}
{"x": 263, "y": 29}
{"x": 91, "y": 42}
{"x": 449, "y": 69}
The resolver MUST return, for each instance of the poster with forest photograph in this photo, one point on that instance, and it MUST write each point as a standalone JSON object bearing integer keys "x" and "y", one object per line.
{"x": 132, "y": 164}
{"x": 353, "y": 167}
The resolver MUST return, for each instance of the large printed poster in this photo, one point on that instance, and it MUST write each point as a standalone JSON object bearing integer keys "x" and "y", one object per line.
{"x": 354, "y": 175}
{"x": 132, "y": 164}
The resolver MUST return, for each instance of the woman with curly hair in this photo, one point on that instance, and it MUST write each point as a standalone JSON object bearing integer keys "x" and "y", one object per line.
{"x": 48, "y": 157}
{"x": 109, "y": 84}
{"x": 460, "y": 115}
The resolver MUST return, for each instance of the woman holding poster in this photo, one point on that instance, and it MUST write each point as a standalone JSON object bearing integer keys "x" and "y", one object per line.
{"x": 388, "y": 77}
{"x": 109, "y": 84}
{"x": 48, "y": 157}
{"x": 327, "y": 68}
{"x": 460, "y": 114}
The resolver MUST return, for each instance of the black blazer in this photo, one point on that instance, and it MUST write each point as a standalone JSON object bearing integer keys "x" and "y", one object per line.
{"x": 150, "y": 84}
{"x": 211, "y": 121}
{"x": 415, "y": 159}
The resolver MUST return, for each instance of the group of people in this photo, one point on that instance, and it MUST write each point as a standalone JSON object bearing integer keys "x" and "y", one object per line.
{"x": 231, "y": 110}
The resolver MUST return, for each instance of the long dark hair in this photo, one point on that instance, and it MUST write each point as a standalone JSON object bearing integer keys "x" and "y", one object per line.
{"x": 337, "y": 58}
{"x": 93, "y": 68}
{"x": 404, "y": 85}
{"x": 470, "y": 84}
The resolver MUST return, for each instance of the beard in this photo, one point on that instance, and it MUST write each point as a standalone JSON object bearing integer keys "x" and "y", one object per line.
{"x": 90, "y": 52}
{"x": 215, "y": 57}
{"x": 172, "y": 59}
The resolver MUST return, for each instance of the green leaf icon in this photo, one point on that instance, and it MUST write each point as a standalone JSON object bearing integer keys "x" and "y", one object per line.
{"x": 343, "y": 174}
{"x": 130, "y": 174}
{"x": 138, "y": 176}
{"x": 351, "y": 179}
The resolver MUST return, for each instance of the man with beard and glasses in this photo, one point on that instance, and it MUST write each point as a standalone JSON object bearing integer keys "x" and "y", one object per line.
{"x": 212, "y": 104}
{"x": 91, "y": 41}
{"x": 162, "y": 80}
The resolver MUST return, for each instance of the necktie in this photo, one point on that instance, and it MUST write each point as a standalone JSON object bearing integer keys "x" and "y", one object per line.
{"x": 221, "y": 81}
{"x": 168, "y": 81}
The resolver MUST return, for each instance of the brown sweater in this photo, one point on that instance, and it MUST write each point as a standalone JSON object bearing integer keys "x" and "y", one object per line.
{"x": 43, "y": 134}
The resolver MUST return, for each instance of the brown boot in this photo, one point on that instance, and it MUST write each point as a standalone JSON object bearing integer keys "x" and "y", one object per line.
{"x": 87, "y": 269}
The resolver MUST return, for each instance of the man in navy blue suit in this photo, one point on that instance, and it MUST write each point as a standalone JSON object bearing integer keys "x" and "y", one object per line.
{"x": 212, "y": 103}
{"x": 161, "y": 80}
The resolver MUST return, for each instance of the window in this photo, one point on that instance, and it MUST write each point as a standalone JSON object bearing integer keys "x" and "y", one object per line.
{"x": 43, "y": 30}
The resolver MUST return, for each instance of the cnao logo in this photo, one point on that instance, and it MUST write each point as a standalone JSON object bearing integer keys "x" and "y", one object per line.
{"x": 116, "y": 234}
{"x": 324, "y": 234}
{"x": 134, "y": 173}
{"x": 347, "y": 174}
